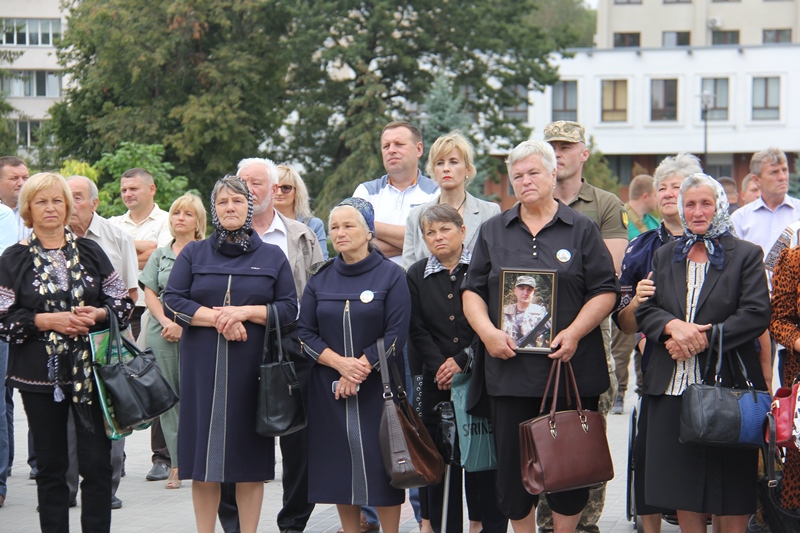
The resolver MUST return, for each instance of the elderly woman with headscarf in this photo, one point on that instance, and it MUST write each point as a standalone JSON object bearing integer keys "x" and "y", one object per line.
{"x": 218, "y": 292}
{"x": 705, "y": 277}
{"x": 349, "y": 303}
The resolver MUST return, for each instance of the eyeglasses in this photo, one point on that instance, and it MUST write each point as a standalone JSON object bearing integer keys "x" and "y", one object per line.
{"x": 286, "y": 189}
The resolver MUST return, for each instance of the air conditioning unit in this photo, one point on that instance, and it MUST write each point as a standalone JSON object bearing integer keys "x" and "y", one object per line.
{"x": 714, "y": 23}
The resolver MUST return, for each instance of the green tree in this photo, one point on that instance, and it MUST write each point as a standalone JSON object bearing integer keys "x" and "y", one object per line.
{"x": 8, "y": 130}
{"x": 73, "y": 167}
{"x": 445, "y": 112}
{"x": 482, "y": 47}
{"x": 571, "y": 19}
{"x": 596, "y": 170}
{"x": 203, "y": 78}
{"x": 131, "y": 155}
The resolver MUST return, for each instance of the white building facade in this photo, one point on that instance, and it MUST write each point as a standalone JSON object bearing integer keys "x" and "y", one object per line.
{"x": 31, "y": 27}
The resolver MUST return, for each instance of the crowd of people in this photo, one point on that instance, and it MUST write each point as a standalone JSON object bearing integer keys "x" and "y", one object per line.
{"x": 445, "y": 281}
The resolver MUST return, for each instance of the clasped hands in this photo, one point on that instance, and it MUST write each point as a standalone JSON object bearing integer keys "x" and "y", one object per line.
{"x": 444, "y": 376}
{"x": 229, "y": 321}
{"x": 352, "y": 371}
{"x": 500, "y": 345}
{"x": 71, "y": 324}
{"x": 686, "y": 339}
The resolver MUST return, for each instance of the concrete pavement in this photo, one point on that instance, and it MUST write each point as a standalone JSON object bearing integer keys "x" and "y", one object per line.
{"x": 149, "y": 507}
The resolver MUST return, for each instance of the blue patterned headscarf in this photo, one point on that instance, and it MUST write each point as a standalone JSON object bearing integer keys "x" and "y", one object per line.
{"x": 720, "y": 224}
{"x": 239, "y": 237}
{"x": 363, "y": 207}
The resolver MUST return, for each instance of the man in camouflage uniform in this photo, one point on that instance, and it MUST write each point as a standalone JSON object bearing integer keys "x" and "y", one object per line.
{"x": 521, "y": 317}
{"x": 569, "y": 142}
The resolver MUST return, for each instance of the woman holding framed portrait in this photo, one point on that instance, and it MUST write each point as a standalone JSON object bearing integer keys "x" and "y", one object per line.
{"x": 544, "y": 242}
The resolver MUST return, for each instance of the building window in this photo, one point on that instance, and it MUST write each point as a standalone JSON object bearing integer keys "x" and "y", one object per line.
{"x": 30, "y": 32}
{"x": 565, "y": 100}
{"x": 718, "y": 88}
{"x": 664, "y": 100}
{"x": 627, "y": 1}
{"x": 624, "y": 40}
{"x": 27, "y": 132}
{"x": 777, "y": 36}
{"x": 677, "y": 1}
{"x": 725, "y": 37}
{"x": 519, "y": 110}
{"x": 615, "y": 101}
{"x": 766, "y": 98}
{"x": 32, "y": 83}
{"x": 675, "y": 38}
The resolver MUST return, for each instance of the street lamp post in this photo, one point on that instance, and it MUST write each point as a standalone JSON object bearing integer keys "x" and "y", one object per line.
{"x": 707, "y": 98}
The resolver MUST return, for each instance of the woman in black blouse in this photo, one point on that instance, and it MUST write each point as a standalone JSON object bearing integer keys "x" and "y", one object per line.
{"x": 53, "y": 291}
{"x": 440, "y": 338}
{"x": 537, "y": 233}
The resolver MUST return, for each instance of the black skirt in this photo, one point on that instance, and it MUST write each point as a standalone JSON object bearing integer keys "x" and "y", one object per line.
{"x": 693, "y": 477}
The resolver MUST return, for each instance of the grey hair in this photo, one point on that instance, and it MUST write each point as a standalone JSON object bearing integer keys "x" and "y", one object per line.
{"x": 525, "y": 149}
{"x": 94, "y": 194}
{"x": 234, "y": 183}
{"x": 272, "y": 170}
{"x": 684, "y": 164}
{"x": 770, "y": 156}
{"x": 439, "y": 213}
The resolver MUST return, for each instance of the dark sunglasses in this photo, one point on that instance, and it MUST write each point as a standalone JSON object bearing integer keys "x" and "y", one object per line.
{"x": 286, "y": 189}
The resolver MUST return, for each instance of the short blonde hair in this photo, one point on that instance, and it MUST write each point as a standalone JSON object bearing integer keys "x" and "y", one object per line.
{"x": 302, "y": 203}
{"x": 38, "y": 183}
{"x": 192, "y": 202}
{"x": 445, "y": 144}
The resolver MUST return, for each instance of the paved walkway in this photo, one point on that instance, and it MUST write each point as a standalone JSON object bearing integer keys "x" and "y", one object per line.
{"x": 149, "y": 507}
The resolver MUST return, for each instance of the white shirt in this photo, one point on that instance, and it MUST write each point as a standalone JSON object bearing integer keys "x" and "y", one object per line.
{"x": 8, "y": 227}
{"x": 392, "y": 205}
{"x": 154, "y": 228}
{"x": 277, "y": 234}
{"x": 757, "y": 223}
{"x": 118, "y": 246}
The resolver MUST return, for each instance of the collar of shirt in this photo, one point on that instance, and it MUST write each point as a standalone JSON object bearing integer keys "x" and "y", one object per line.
{"x": 409, "y": 188}
{"x": 564, "y": 213}
{"x": 277, "y": 225}
{"x": 586, "y": 193}
{"x": 664, "y": 234}
{"x": 126, "y": 218}
{"x": 787, "y": 200}
{"x": 434, "y": 265}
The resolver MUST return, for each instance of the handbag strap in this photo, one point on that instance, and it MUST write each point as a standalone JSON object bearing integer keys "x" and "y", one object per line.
{"x": 714, "y": 346}
{"x": 385, "y": 377}
{"x": 555, "y": 368}
{"x": 273, "y": 324}
{"x": 113, "y": 336}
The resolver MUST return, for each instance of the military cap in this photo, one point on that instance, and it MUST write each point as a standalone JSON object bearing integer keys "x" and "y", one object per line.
{"x": 525, "y": 280}
{"x": 565, "y": 130}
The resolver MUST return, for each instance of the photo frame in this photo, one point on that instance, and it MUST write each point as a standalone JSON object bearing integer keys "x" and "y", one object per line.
{"x": 528, "y": 308}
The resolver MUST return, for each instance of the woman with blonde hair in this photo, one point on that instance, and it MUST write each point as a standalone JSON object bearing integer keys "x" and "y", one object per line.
{"x": 55, "y": 289}
{"x": 450, "y": 164}
{"x": 187, "y": 223}
{"x": 292, "y": 201}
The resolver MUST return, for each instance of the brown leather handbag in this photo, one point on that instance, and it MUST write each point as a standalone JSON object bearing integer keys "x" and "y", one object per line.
{"x": 563, "y": 450}
{"x": 409, "y": 455}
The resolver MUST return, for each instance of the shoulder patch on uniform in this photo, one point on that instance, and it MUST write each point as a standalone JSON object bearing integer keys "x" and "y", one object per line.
{"x": 317, "y": 267}
{"x": 624, "y": 219}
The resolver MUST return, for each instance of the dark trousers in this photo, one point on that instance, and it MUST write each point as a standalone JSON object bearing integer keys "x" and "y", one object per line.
{"x": 296, "y": 509}
{"x": 228, "y": 512}
{"x": 10, "y": 425}
{"x": 47, "y": 420}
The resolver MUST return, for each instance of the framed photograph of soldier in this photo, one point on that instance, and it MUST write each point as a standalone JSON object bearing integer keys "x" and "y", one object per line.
{"x": 527, "y": 308}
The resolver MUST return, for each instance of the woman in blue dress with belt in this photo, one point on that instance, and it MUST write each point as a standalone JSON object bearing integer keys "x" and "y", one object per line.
{"x": 349, "y": 303}
{"x": 218, "y": 291}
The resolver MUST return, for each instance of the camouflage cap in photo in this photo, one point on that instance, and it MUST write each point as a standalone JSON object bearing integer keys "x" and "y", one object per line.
{"x": 565, "y": 130}
{"x": 525, "y": 280}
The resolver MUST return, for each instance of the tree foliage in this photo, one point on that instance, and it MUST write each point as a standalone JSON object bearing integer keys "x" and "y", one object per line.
{"x": 481, "y": 46}
{"x": 203, "y": 78}
{"x": 445, "y": 113}
{"x": 132, "y": 155}
{"x": 73, "y": 167}
{"x": 571, "y": 19}
{"x": 596, "y": 170}
{"x": 8, "y": 130}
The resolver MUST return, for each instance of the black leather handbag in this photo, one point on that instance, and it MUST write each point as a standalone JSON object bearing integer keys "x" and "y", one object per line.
{"x": 723, "y": 416}
{"x": 280, "y": 402}
{"x": 410, "y": 457}
{"x": 138, "y": 389}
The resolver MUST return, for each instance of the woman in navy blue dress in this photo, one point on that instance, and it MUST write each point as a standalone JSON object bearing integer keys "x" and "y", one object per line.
{"x": 350, "y": 302}
{"x": 219, "y": 290}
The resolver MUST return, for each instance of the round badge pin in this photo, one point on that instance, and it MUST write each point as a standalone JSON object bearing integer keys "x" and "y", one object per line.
{"x": 367, "y": 296}
{"x": 563, "y": 255}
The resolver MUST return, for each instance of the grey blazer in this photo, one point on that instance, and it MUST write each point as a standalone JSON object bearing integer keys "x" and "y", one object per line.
{"x": 476, "y": 212}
